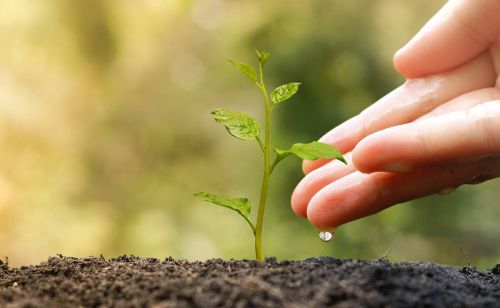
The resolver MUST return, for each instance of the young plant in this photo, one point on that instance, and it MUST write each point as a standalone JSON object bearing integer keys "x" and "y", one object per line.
{"x": 243, "y": 126}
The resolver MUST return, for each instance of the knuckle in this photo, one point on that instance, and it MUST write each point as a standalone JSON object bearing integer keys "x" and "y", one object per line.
{"x": 426, "y": 91}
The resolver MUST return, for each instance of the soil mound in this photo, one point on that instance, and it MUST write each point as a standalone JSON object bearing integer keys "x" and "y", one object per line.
{"x": 129, "y": 281}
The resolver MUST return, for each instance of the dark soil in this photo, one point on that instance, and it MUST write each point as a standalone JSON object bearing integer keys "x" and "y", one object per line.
{"x": 319, "y": 282}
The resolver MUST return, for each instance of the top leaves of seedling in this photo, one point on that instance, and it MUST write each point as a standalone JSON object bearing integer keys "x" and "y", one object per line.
{"x": 312, "y": 151}
{"x": 246, "y": 69}
{"x": 238, "y": 124}
{"x": 262, "y": 55}
{"x": 241, "y": 205}
{"x": 284, "y": 92}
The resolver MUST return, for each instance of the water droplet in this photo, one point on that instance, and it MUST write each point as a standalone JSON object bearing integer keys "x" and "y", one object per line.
{"x": 325, "y": 236}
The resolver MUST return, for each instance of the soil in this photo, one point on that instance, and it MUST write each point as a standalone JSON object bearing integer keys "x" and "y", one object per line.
{"x": 319, "y": 282}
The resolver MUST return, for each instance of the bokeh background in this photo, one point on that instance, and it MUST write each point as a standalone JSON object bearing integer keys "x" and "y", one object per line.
{"x": 105, "y": 130}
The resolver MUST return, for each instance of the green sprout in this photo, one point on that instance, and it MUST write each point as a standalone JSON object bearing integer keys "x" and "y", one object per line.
{"x": 245, "y": 127}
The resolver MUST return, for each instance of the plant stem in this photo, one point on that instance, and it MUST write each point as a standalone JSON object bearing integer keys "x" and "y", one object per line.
{"x": 261, "y": 145}
{"x": 276, "y": 161}
{"x": 265, "y": 180}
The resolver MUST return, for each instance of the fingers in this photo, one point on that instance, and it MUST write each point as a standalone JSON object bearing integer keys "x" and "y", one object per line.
{"x": 358, "y": 195}
{"x": 333, "y": 171}
{"x": 458, "y": 136}
{"x": 407, "y": 103}
{"x": 461, "y": 30}
{"x": 316, "y": 180}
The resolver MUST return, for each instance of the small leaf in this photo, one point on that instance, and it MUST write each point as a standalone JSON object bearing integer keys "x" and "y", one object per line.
{"x": 312, "y": 151}
{"x": 284, "y": 92}
{"x": 246, "y": 69}
{"x": 238, "y": 124}
{"x": 262, "y": 55}
{"x": 241, "y": 205}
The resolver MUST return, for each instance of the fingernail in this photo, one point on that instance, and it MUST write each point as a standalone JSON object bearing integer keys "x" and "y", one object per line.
{"x": 397, "y": 167}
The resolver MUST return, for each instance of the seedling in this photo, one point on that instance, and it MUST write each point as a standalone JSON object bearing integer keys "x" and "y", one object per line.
{"x": 245, "y": 127}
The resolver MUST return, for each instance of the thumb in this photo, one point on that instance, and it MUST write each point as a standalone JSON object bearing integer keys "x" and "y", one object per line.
{"x": 461, "y": 30}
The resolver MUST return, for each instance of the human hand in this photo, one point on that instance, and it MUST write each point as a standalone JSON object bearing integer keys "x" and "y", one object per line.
{"x": 437, "y": 131}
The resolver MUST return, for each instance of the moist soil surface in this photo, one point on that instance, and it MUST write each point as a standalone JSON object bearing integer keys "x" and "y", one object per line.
{"x": 319, "y": 282}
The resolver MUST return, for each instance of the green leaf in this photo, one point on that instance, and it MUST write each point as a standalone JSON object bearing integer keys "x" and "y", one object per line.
{"x": 284, "y": 92}
{"x": 241, "y": 205}
{"x": 312, "y": 151}
{"x": 262, "y": 55}
{"x": 238, "y": 124}
{"x": 246, "y": 69}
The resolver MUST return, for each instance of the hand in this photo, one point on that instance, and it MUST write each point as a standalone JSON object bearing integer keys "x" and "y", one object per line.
{"x": 437, "y": 131}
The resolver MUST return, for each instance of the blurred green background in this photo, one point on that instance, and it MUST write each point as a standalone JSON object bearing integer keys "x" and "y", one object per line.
{"x": 105, "y": 131}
